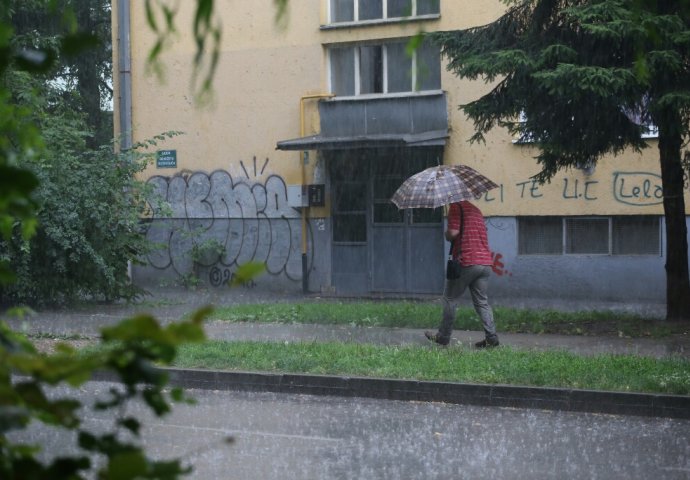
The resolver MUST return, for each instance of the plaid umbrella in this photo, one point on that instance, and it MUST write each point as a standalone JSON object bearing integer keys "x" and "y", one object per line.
{"x": 441, "y": 185}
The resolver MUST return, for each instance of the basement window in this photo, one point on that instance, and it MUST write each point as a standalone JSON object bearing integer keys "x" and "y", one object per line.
{"x": 619, "y": 235}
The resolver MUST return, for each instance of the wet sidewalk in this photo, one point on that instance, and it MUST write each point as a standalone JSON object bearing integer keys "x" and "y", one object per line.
{"x": 173, "y": 304}
{"x": 169, "y": 305}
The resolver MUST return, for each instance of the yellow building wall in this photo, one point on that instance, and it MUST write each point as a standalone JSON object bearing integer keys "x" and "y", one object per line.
{"x": 261, "y": 75}
{"x": 265, "y": 69}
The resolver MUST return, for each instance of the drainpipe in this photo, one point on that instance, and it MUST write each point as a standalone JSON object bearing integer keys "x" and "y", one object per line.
{"x": 124, "y": 74}
{"x": 303, "y": 162}
{"x": 125, "y": 84}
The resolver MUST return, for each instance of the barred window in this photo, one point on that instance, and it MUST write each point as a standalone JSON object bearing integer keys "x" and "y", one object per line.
{"x": 587, "y": 235}
{"x": 621, "y": 235}
{"x": 349, "y": 196}
{"x": 636, "y": 236}
{"x": 540, "y": 236}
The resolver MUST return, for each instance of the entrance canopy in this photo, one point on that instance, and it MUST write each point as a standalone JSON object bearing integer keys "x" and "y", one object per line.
{"x": 434, "y": 138}
{"x": 408, "y": 121}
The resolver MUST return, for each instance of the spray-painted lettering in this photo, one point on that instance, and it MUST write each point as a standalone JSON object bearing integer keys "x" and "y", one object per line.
{"x": 219, "y": 221}
{"x": 533, "y": 189}
{"x": 493, "y": 195}
{"x": 638, "y": 188}
{"x": 574, "y": 190}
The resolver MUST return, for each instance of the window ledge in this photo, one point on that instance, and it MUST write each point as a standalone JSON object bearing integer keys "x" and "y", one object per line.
{"x": 520, "y": 141}
{"x": 648, "y": 136}
{"x": 375, "y": 96}
{"x": 379, "y": 21}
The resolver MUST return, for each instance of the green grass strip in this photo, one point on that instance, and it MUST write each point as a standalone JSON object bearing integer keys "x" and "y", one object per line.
{"x": 497, "y": 366}
{"x": 428, "y": 314}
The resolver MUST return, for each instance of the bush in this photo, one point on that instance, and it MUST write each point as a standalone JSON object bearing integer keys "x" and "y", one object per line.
{"x": 90, "y": 206}
{"x": 89, "y": 229}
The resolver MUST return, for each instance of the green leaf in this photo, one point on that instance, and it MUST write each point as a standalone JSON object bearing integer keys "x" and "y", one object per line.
{"x": 87, "y": 441}
{"x": 131, "y": 424}
{"x": 247, "y": 272}
{"x": 186, "y": 332}
{"x": 169, "y": 469}
{"x": 126, "y": 466}
{"x": 6, "y": 276}
{"x": 12, "y": 417}
{"x": 150, "y": 16}
{"x": 414, "y": 43}
{"x": 140, "y": 327}
{"x": 67, "y": 467}
{"x": 155, "y": 399}
{"x": 177, "y": 394}
{"x": 77, "y": 43}
{"x": 202, "y": 314}
{"x": 17, "y": 180}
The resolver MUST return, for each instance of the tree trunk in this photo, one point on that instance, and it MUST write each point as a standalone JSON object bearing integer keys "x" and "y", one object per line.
{"x": 88, "y": 76}
{"x": 677, "y": 276}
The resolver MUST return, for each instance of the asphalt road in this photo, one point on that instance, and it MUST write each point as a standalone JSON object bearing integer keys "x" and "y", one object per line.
{"x": 281, "y": 436}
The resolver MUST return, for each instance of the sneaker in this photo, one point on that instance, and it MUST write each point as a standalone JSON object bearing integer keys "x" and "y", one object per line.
{"x": 436, "y": 338}
{"x": 486, "y": 344}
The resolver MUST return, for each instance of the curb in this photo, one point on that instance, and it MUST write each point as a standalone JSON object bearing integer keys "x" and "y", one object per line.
{"x": 590, "y": 401}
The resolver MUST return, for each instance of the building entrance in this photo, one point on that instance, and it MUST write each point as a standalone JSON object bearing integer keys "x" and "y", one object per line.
{"x": 376, "y": 247}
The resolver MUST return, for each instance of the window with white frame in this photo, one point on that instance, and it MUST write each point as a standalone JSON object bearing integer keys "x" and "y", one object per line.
{"x": 649, "y": 130}
{"x": 620, "y": 235}
{"x": 349, "y": 11}
{"x": 384, "y": 68}
{"x": 641, "y": 116}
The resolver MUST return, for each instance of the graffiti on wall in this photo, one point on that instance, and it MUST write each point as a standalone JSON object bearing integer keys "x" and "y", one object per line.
{"x": 218, "y": 222}
{"x": 637, "y": 189}
{"x": 498, "y": 260}
{"x": 498, "y": 266}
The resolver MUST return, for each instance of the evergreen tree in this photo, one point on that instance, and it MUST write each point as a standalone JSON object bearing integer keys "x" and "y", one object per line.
{"x": 586, "y": 78}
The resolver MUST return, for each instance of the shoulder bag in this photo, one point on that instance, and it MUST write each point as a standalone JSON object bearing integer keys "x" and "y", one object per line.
{"x": 453, "y": 266}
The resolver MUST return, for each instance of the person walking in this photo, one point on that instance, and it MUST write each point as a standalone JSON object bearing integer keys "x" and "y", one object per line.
{"x": 467, "y": 232}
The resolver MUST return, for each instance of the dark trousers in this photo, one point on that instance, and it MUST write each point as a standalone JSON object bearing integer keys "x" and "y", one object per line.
{"x": 476, "y": 277}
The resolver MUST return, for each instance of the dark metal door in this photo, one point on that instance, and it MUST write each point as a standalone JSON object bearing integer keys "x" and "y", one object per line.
{"x": 406, "y": 248}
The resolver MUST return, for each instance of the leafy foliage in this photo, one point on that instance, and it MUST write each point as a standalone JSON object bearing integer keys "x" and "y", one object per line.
{"x": 41, "y": 138}
{"x": 89, "y": 229}
{"x": 79, "y": 42}
{"x": 207, "y": 33}
{"x": 131, "y": 350}
{"x": 88, "y": 204}
{"x": 25, "y": 57}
